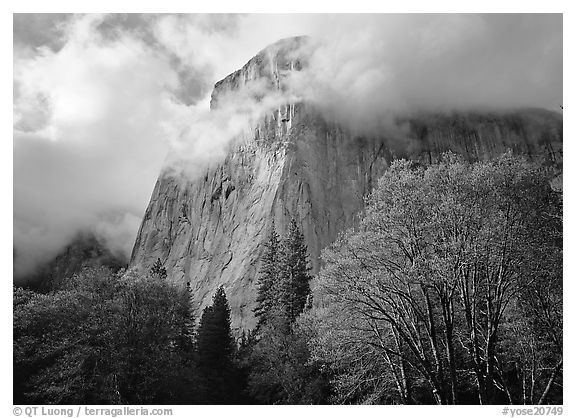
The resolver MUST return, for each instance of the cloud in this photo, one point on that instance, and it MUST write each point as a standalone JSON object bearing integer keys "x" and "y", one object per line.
{"x": 368, "y": 69}
{"x": 202, "y": 136}
{"x": 102, "y": 102}
{"x": 39, "y": 30}
{"x": 87, "y": 140}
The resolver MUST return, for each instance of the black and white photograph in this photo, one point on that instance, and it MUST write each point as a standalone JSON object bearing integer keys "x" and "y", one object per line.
{"x": 287, "y": 209}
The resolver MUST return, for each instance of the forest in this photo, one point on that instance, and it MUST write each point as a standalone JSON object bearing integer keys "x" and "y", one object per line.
{"x": 448, "y": 291}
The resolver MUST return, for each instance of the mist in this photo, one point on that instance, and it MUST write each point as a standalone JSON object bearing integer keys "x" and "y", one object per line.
{"x": 366, "y": 71}
{"x": 102, "y": 103}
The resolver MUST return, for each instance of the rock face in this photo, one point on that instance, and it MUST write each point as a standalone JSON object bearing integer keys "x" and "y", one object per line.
{"x": 84, "y": 251}
{"x": 295, "y": 164}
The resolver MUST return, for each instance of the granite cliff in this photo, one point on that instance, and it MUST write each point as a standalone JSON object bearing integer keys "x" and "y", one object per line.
{"x": 85, "y": 250}
{"x": 295, "y": 163}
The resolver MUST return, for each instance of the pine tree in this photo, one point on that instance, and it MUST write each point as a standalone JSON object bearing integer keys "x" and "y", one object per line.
{"x": 277, "y": 358}
{"x": 268, "y": 280}
{"x": 283, "y": 283}
{"x": 294, "y": 277}
{"x": 215, "y": 348}
{"x": 215, "y": 341}
{"x": 184, "y": 340}
{"x": 158, "y": 270}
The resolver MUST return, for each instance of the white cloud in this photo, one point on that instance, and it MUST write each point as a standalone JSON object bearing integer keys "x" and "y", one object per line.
{"x": 87, "y": 139}
{"x": 200, "y": 136}
{"x": 369, "y": 69}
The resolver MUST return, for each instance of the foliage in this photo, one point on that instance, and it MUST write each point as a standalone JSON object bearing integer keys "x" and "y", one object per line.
{"x": 216, "y": 351}
{"x": 282, "y": 371}
{"x": 293, "y": 272}
{"x": 278, "y": 358}
{"x": 104, "y": 338}
{"x": 158, "y": 269}
{"x": 284, "y": 282}
{"x": 425, "y": 286}
{"x": 268, "y": 278}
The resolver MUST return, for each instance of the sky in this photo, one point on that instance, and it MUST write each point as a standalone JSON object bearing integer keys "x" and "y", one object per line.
{"x": 101, "y": 100}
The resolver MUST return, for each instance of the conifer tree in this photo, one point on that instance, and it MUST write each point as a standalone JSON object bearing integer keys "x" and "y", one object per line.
{"x": 268, "y": 280}
{"x": 184, "y": 340}
{"x": 283, "y": 283}
{"x": 294, "y": 272}
{"x": 158, "y": 270}
{"x": 215, "y": 348}
{"x": 215, "y": 341}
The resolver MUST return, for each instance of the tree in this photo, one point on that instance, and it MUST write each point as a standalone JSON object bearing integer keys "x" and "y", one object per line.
{"x": 278, "y": 359}
{"x": 435, "y": 268}
{"x": 282, "y": 370}
{"x": 215, "y": 352}
{"x": 104, "y": 338}
{"x": 357, "y": 360}
{"x": 268, "y": 278}
{"x": 154, "y": 335}
{"x": 294, "y": 272}
{"x": 158, "y": 269}
{"x": 284, "y": 280}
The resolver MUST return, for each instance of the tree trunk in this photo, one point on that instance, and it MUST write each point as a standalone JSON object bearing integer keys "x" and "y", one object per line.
{"x": 440, "y": 389}
{"x": 452, "y": 366}
{"x": 550, "y": 383}
{"x": 449, "y": 341}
